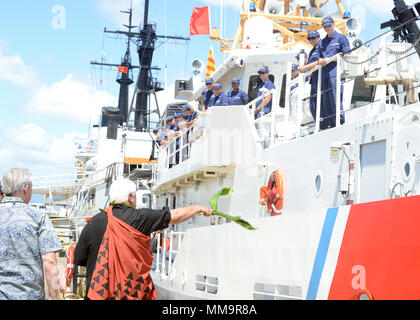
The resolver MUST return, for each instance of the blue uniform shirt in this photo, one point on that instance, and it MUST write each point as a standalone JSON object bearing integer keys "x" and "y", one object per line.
{"x": 162, "y": 136}
{"x": 264, "y": 87}
{"x": 207, "y": 95}
{"x": 329, "y": 47}
{"x": 191, "y": 117}
{"x": 237, "y": 98}
{"x": 173, "y": 127}
{"x": 313, "y": 56}
{"x": 221, "y": 100}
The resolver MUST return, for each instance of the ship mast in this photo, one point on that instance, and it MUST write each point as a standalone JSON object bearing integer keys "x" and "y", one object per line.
{"x": 125, "y": 74}
{"x": 145, "y": 86}
{"x": 124, "y": 78}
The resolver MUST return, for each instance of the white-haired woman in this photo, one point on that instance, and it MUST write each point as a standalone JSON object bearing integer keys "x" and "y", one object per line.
{"x": 115, "y": 245}
{"x": 29, "y": 243}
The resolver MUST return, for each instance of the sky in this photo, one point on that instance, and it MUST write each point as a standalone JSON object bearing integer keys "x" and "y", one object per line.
{"x": 49, "y": 92}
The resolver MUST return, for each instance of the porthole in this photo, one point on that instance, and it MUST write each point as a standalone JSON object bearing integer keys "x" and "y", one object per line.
{"x": 407, "y": 170}
{"x": 318, "y": 184}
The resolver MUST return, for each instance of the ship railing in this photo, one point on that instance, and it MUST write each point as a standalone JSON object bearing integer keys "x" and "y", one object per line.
{"x": 265, "y": 124}
{"x": 184, "y": 139}
{"x": 300, "y": 81}
{"x": 164, "y": 267}
{"x": 105, "y": 175}
{"x": 54, "y": 181}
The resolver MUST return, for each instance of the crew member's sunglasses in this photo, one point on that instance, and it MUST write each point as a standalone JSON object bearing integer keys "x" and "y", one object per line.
{"x": 311, "y": 38}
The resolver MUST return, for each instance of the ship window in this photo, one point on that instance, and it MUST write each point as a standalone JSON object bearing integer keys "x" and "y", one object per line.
{"x": 206, "y": 283}
{"x": 266, "y": 291}
{"x": 362, "y": 93}
{"x": 407, "y": 170}
{"x": 254, "y": 83}
{"x": 174, "y": 202}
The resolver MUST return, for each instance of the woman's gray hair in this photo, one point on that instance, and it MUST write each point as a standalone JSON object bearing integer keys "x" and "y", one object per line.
{"x": 15, "y": 180}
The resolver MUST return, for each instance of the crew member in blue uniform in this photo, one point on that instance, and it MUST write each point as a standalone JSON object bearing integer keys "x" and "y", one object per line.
{"x": 190, "y": 115}
{"x": 171, "y": 123}
{"x": 313, "y": 37}
{"x": 332, "y": 44}
{"x": 264, "y": 107}
{"x": 237, "y": 97}
{"x": 295, "y": 73}
{"x": 219, "y": 98}
{"x": 207, "y": 93}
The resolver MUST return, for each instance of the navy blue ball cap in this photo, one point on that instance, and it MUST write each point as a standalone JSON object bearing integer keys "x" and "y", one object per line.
{"x": 209, "y": 81}
{"x": 169, "y": 118}
{"x": 313, "y": 34}
{"x": 235, "y": 80}
{"x": 327, "y": 21}
{"x": 186, "y": 107}
{"x": 218, "y": 85}
{"x": 294, "y": 67}
{"x": 155, "y": 130}
{"x": 180, "y": 115}
{"x": 263, "y": 70}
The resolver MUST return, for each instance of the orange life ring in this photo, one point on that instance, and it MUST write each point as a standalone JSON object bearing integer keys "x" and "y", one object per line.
{"x": 70, "y": 264}
{"x": 272, "y": 194}
{"x": 359, "y": 294}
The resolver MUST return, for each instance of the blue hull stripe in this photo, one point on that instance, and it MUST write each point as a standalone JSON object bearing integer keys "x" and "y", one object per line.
{"x": 321, "y": 253}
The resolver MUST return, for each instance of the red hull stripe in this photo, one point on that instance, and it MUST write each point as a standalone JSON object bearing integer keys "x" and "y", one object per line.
{"x": 380, "y": 251}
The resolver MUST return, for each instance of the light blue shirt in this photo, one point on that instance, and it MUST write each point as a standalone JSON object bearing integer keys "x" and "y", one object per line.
{"x": 25, "y": 235}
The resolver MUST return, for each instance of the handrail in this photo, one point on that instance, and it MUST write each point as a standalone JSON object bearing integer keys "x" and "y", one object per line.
{"x": 252, "y": 105}
{"x": 300, "y": 80}
{"x": 161, "y": 251}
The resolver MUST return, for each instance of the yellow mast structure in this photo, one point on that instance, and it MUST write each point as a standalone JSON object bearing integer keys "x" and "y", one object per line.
{"x": 292, "y": 25}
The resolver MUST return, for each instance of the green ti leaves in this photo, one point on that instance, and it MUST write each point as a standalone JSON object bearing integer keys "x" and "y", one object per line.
{"x": 213, "y": 206}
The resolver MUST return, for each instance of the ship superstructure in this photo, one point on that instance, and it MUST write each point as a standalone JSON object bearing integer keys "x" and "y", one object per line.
{"x": 342, "y": 211}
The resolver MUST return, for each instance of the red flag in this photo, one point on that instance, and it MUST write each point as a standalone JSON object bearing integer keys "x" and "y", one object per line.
{"x": 200, "y": 21}
{"x": 122, "y": 69}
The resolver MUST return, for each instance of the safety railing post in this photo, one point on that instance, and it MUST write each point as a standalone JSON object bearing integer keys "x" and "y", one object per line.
{"x": 299, "y": 115}
{"x": 338, "y": 93}
{"x": 287, "y": 94}
{"x": 318, "y": 102}
{"x": 158, "y": 254}
{"x": 170, "y": 251}
{"x": 163, "y": 264}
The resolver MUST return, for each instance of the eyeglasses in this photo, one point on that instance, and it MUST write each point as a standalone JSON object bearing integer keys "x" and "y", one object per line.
{"x": 312, "y": 38}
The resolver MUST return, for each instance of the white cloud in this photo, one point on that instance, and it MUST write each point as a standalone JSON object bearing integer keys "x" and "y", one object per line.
{"x": 70, "y": 100}
{"x": 31, "y": 147}
{"x": 111, "y": 10}
{"x": 13, "y": 69}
